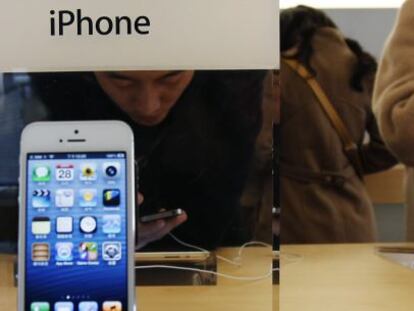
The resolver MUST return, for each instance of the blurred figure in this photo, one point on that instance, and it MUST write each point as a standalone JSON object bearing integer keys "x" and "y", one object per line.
{"x": 195, "y": 134}
{"x": 323, "y": 198}
{"x": 394, "y": 100}
{"x": 18, "y": 106}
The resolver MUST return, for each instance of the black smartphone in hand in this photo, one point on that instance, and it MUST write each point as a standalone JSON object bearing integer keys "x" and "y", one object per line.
{"x": 161, "y": 215}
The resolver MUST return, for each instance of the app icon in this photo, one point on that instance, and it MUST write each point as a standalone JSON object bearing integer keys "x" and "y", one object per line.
{"x": 41, "y": 173}
{"x": 41, "y": 198}
{"x": 40, "y": 252}
{"x": 64, "y": 306}
{"x": 112, "y": 306}
{"x": 88, "y": 198}
{"x": 88, "y": 306}
{"x": 64, "y": 172}
{"x": 39, "y": 306}
{"x": 64, "y": 225}
{"x": 41, "y": 225}
{"x": 111, "y": 169}
{"x": 111, "y": 251}
{"x": 64, "y": 198}
{"x": 88, "y": 251}
{"x": 111, "y": 197}
{"x": 111, "y": 224}
{"x": 64, "y": 251}
{"x": 88, "y": 224}
{"x": 88, "y": 172}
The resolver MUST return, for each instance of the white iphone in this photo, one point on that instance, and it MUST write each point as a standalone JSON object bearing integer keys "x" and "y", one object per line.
{"x": 76, "y": 222}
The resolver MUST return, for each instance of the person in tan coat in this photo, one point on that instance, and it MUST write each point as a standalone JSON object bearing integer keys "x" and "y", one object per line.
{"x": 394, "y": 99}
{"x": 323, "y": 198}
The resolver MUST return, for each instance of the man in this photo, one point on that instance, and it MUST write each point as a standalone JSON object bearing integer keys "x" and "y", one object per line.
{"x": 194, "y": 139}
{"x": 147, "y": 97}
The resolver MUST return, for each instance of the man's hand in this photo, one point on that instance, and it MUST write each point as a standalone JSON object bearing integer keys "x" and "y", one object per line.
{"x": 153, "y": 231}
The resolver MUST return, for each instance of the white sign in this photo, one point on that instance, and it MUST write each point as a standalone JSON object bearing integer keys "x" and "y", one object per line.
{"x": 73, "y": 35}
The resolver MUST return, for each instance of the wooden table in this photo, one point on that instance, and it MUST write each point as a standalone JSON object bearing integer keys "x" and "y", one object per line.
{"x": 343, "y": 278}
{"x": 226, "y": 295}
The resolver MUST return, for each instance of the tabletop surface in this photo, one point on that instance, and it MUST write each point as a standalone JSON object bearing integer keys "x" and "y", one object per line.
{"x": 226, "y": 295}
{"x": 342, "y": 278}
{"x": 313, "y": 277}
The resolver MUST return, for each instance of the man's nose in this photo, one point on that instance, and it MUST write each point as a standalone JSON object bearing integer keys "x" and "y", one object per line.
{"x": 147, "y": 100}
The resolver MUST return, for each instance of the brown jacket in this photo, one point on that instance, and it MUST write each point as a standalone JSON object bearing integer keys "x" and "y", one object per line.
{"x": 394, "y": 99}
{"x": 322, "y": 198}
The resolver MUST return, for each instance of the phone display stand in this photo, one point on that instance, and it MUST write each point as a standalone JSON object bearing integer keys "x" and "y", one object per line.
{"x": 276, "y": 274}
{"x": 175, "y": 277}
{"x": 276, "y": 259}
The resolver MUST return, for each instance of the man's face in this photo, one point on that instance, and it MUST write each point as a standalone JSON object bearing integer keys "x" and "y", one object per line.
{"x": 146, "y": 96}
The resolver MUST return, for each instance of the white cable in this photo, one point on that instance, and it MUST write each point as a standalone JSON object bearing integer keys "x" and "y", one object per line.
{"x": 233, "y": 262}
{"x": 236, "y": 261}
{"x": 187, "y": 244}
{"x": 227, "y": 276}
{"x": 241, "y": 249}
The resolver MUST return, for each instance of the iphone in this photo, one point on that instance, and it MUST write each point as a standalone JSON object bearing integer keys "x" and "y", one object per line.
{"x": 76, "y": 217}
